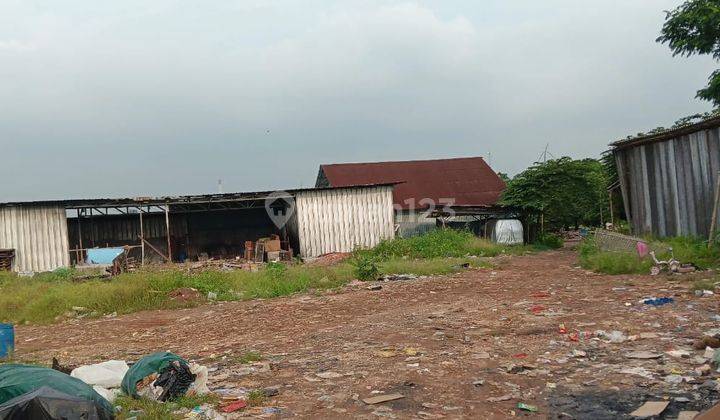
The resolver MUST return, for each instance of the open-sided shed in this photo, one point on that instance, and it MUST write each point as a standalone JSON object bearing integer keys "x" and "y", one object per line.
{"x": 46, "y": 235}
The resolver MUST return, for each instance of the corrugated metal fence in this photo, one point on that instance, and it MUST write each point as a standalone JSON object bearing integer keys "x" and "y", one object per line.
{"x": 39, "y": 236}
{"x": 343, "y": 219}
{"x": 668, "y": 185}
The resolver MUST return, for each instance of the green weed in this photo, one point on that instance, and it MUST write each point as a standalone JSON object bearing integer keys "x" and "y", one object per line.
{"x": 249, "y": 357}
{"x": 685, "y": 249}
{"x": 144, "y": 408}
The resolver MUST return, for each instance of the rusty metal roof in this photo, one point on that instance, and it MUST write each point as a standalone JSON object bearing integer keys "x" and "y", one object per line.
{"x": 468, "y": 181}
{"x": 712, "y": 121}
{"x": 179, "y": 199}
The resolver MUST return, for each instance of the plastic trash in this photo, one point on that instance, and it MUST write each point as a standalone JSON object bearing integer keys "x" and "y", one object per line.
{"x": 106, "y": 374}
{"x": 46, "y": 403}
{"x": 24, "y": 387}
{"x": 7, "y": 340}
{"x": 658, "y": 301}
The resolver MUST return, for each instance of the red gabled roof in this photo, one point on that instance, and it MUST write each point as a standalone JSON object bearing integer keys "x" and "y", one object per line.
{"x": 469, "y": 181}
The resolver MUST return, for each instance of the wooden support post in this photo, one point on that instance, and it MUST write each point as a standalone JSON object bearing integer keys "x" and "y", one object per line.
{"x": 92, "y": 230}
{"x": 612, "y": 214}
{"x": 154, "y": 249}
{"x": 167, "y": 228}
{"x": 713, "y": 221}
{"x": 79, "y": 230}
{"x": 142, "y": 240}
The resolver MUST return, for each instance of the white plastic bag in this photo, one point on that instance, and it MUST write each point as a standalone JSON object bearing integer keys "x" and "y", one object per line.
{"x": 106, "y": 374}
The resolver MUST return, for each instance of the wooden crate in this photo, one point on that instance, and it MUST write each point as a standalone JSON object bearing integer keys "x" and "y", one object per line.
{"x": 6, "y": 259}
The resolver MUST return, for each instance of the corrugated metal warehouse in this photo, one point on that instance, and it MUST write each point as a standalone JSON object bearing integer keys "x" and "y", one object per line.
{"x": 47, "y": 235}
{"x": 668, "y": 179}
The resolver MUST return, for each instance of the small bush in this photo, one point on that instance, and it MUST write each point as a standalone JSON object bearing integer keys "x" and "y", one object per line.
{"x": 549, "y": 241}
{"x": 365, "y": 266}
{"x": 276, "y": 270}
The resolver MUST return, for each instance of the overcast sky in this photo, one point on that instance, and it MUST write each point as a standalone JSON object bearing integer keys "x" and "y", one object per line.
{"x": 131, "y": 98}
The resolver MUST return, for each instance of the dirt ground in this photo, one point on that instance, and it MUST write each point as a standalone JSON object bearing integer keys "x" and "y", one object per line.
{"x": 469, "y": 345}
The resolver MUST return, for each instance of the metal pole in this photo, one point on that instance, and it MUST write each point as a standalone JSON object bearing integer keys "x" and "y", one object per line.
{"x": 167, "y": 228}
{"x": 142, "y": 240}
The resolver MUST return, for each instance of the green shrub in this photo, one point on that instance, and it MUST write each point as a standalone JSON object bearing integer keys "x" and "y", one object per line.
{"x": 365, "y": 265}
{"x": 549, "y": 241}
{"x": 276, "y": 270}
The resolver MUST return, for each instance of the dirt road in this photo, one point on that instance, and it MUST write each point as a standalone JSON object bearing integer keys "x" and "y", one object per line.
{"x": 471, "y": 345}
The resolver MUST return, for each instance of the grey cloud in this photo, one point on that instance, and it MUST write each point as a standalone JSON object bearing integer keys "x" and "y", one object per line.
{"x": 137, "y": 99}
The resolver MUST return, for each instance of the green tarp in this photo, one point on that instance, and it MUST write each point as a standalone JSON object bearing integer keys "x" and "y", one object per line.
{"x": 17, "y": 380}
{"x": 152, "y": 363}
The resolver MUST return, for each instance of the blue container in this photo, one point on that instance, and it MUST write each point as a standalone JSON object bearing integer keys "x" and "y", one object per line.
{"x": 7, "y": 340}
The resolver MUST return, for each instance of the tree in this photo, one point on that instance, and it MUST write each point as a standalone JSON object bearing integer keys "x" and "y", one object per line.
{"x": 694, "y": 28}
{"x": 566, "y": 192}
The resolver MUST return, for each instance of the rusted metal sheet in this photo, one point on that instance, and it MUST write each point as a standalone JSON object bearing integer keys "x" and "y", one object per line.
{"x": 668, "y": 184}
{"x": 341, "y": 220}
{"x": 39, "y": 236}
{"x": 465, "y": 181}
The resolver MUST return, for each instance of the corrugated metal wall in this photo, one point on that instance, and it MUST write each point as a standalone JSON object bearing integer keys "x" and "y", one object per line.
{"x": 340, "y": 220}
{"x": 668, "y": 186}
{"x": 39, "y": 236}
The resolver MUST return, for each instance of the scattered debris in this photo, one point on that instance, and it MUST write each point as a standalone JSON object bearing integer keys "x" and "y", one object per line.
{"x": 374, "y": 287}
{"x": 234, "y": 406}
{"x": 650, "y": 409}
{"x": 680, "y": 354}
{"x": 328, "y": 375}
{"x": 687, "y": 415}
{"x": 643, "y": 355}
{"x": 658, "y": 301}
{"x": 612, "y": 336}
{"x": 501, "y": 398}
{"x": 527, "y": 407}
{"x": 398, "y": 277}
{"x": 705, "y": 342}
{"x": 185, "y": 294}
{"x": 382, "y": 398}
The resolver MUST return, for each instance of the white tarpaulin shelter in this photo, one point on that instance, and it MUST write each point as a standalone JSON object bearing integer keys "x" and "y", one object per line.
{"x": 507, "y": 232}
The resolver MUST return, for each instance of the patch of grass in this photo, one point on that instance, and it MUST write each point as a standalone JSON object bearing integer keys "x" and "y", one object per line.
{"x": 249, "y": 357}
{"x": 442, "y": 243}
{"x": 705, "y": 284}
{"x": 430, "y": 266}
{"x": 45, "y": 298}
{"x": 685, "y": 249}
{"x": 255, "y": 398}
{"x": 158, "y": 410}
{"x": 50, "y": 297}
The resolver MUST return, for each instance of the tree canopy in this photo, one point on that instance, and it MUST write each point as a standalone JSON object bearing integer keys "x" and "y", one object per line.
{"x": 568, "y": 192}
{"x": 694, "y": 28}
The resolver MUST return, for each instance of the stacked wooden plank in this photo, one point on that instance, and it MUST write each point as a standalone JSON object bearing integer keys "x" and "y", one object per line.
{"x": 6, "y": 259}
